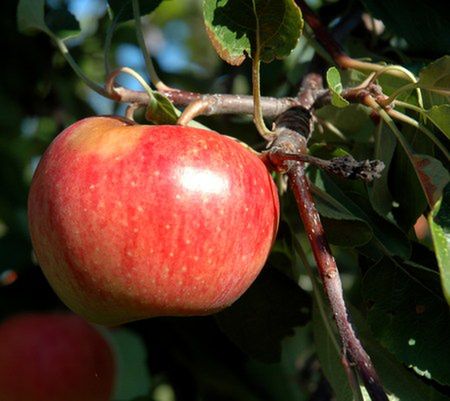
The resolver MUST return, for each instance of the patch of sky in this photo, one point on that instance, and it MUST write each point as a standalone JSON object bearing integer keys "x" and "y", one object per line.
{"x": 174, "y": 56}
{"x": 87, "y": 8}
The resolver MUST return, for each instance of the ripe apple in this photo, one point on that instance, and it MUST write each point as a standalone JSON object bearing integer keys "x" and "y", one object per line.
{"x": 54, "y": 357}
{"x": 132, "y": 221}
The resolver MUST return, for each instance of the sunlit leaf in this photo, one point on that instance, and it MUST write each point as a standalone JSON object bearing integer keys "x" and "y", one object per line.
{"x": 440, "y": 116}
{"x": 335, "y": 86}
{"x": 232, "y": 28}
{"x": 435, "y": 77}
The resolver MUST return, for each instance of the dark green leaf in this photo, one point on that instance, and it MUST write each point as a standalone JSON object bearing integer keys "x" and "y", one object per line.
{"x": 440, "y": 116}
{"x": 409, "y": 316}
{"x": 343, "y": 228}
{"x": 424, "y": 24}
{"x": 62, "y": 23}
{"x": 387, "y": 238}
{"x": 406, "y": 189}
{"x": 232, "y": 28}
{"x": 379, "y": 194}
{"x": 133, "y": 379}
{"x": 30, "y": 15}
{"x": 59, "y": 22}
{"x": 352, "y": 122}
{"x": 401, "y": 383}
{"x": 329, "y": 352}
{"x": 439, "y": 221}
{"x": 265, "y": 314}
{"x": 124, "y": 10}
{"x": 335, "y": 86}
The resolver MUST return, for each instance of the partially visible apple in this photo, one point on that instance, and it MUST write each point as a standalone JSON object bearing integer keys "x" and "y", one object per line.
{"x": 54, "y": 357}
{"x": 131, "y": 221}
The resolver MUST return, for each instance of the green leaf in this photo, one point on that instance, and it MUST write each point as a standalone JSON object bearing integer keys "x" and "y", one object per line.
{"x": 409, "y": 316}
{"x": 124, "y": 10}
{"x": 401, "y": 383}
{"x": 62, "y": 23}
{"x": 353, "y": 122}
{"x": 335, "y": 86}
{"x": 57, "y": 22}
{"x": 387, "y": 238}
{"x": 265, "y": 314}
{"x": 133, "y": 378}
{"x": 379, "y": 194}
{"x": 342, "y": 227}
{"x": 232, "y": 28}
{"x": 30, "y": 15}
{"x": 329, "y": 353}
{"x": 436, "y": 76}
{"x": 440, "y": 116}
{"x": 439, "y": 221}
{"x": 276, "y": 378}
{"x": 423, "y": 24}
{"x": 160, "y": 110}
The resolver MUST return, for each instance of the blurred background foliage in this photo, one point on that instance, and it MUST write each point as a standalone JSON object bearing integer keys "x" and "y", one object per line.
{"x": 192, "y": 359}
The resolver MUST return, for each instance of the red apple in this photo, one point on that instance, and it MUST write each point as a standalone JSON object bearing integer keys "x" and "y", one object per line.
{"x": 54, "y": 357}
{"x": 132, "y": 221}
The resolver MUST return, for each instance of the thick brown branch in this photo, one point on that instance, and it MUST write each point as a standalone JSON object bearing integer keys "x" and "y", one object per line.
{"x": 217, "y": 104}
{"x": 291, "y": 142}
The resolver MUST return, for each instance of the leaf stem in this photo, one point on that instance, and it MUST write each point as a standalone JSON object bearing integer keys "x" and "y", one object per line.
{"x": 65, "y": 52}
{"x": 408, "y": 120}
{"x": 371, "y": 102}
{"x": 109, "y": 86}
{"x": 157, "y": 82}
{"x": 256, "y": 85}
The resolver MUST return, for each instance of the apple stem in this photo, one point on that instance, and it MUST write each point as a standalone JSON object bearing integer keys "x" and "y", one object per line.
{"x": 292, "y": 136}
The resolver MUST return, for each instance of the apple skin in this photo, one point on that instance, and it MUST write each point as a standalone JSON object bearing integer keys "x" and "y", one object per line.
{"x": 54, "y": 357}
{"x": 133, "y": 221}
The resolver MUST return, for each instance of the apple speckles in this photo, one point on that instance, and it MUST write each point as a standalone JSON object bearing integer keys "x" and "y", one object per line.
{"x": 178, "y": 196}
{"x": 171, "y": 255}
{"x": 129, "y": 253}
{"x": 135, "y": 230}
{"x": 133, "y": 184}
{"x": 92, "y": 187}
{"x": 196, "y": 258}
{"x": 156, "y": 173}
{"x": 119, "y": 204}
{"x": 140, "y": 209}
{"x": 183, "y": 269}
{"x": 187, "y": 241}
{"x": 167, "y": 226}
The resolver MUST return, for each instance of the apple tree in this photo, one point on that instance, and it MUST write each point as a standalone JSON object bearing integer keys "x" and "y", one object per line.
{"x": 330, "y": 121}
